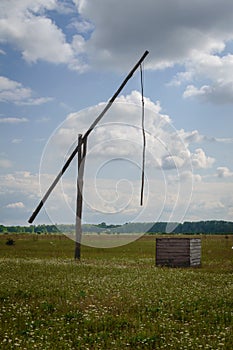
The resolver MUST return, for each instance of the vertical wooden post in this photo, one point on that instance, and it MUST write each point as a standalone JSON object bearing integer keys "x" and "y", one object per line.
{"x": 82, "y": 148}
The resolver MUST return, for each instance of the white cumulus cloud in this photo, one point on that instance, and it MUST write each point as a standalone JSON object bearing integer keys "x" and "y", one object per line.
{"x": 14, "y": 92}
{"x": 17, "y": 205}
{"x": 108, "y": 34}
{"x": 28, "y": 27}
{"x": 119, "y": 134}
{"x": 224, "y": 172}
{"x": 13, "y": 120}
{"x": 173, "y": 31}
{"x": 193, "y": 34}
{"x": 201, "y": 160}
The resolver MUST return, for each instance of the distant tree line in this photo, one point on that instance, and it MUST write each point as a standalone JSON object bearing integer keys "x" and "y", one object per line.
{"x": 105, "y": 226}
{"x": 39, "y": 229}
{"x": 205, "y": 227}
{"x": 195, "y": 227}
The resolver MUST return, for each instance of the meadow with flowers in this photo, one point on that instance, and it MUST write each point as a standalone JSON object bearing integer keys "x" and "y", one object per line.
{"x": 113, "y": 298}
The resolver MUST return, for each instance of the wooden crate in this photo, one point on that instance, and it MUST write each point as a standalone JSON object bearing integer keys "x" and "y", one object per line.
{"x": 178, "y": 252}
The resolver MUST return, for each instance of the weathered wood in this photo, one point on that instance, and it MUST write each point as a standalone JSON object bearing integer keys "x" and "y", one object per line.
{"x": 178, "y": 252}
{"x": 81, "y": 162}
{"x": 144, "y": 140}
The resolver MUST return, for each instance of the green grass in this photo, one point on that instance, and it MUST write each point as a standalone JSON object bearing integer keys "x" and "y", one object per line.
{"x": 113, "y": 298}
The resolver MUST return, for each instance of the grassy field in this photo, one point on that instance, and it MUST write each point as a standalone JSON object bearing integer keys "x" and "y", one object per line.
{"x": 114, "y": 298}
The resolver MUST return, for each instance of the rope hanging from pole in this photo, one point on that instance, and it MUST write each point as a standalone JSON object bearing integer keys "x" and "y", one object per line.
{"x": 143, "y": 137}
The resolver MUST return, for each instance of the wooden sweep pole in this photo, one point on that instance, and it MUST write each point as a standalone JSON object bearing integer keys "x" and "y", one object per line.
{"x": 67, "y": 163}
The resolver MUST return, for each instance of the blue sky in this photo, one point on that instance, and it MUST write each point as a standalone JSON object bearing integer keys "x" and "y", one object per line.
{"x": 61, "y": 61}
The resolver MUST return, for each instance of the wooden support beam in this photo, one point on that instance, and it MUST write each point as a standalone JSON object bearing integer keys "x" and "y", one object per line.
{"x": 82, "y": 149}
